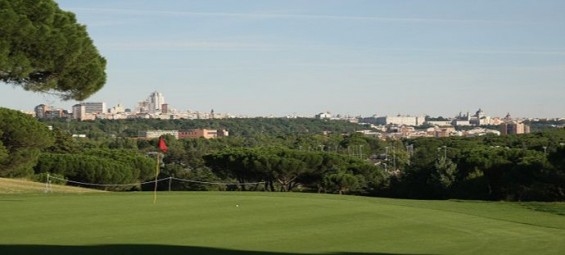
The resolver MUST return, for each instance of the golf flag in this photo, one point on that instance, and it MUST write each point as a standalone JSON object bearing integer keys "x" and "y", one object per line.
{"x": 162, "y": 145}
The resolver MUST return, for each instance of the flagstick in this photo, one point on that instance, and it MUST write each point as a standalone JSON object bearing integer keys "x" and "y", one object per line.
{"x": 156, "y": 176}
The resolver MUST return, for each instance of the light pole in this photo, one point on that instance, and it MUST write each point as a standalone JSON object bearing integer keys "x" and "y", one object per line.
{"x": 393, "y": 157}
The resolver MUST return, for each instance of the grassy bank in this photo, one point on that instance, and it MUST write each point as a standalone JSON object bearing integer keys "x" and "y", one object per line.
{"x": 19, "y": 186}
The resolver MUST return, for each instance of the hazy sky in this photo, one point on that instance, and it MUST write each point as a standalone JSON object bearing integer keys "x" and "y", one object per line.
{"x": 384, "y": 57}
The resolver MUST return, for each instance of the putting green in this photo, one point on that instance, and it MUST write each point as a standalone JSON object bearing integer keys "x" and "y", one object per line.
{"x": 270, "y": 223}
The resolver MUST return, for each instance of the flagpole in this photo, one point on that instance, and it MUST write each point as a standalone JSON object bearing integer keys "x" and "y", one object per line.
{"x": 162, "y": 147}
{"x": 156, "y": 177}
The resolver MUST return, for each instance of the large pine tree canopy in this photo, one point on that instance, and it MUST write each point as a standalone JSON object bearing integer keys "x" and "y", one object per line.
{"x": 44, "y": 49}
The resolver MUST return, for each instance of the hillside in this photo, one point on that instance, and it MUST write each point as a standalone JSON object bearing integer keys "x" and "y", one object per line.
{"x": 18, "y": 186}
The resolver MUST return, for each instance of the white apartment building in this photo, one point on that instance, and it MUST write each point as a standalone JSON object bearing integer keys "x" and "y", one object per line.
{"x": 152, "y": 134}
{"x": 401, "y": 120}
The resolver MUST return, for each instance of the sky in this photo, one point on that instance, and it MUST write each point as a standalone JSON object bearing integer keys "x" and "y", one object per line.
{"x": 349, "y": 57}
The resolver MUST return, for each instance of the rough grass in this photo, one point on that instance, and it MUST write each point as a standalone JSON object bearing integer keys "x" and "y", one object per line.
{"x": 18, "y": 186}
{"x": 270, "y": 224}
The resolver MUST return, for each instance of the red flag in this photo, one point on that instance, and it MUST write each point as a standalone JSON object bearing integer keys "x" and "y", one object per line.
{"x": 162, "y": 146}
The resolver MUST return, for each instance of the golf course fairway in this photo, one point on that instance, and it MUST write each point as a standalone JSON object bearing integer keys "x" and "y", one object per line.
{"x": 270, "y": 223}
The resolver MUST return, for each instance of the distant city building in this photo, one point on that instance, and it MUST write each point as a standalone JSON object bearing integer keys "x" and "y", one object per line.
{"x": 117, "y": 109}
{"x": 478, "y": 119}
{"x": 514, "y": 128}
{"x": 94, "y": 107}
{"x": 43, "y": 111}
{"x": 40, "y": 111}
{"x": 154, "y": 107}
{"x": 480, "y": 132}
{"x": 323, "y": 115}
{"x": 439, "y": 122}
{"x": 56, "y": 114}
{"x": 152, "y": 134}
{"x": 204, "y": 133}
{"x": 153, "y": 104}
{"x": 156, "y": 101}
{"x": 192, "y": 133}
{"x": 88, "y": 110}
{"x": 445, "y": 131}
{"x": 142, "y": 107}
{"x": 79, "y": 112}
{"x": 401, "y": 120}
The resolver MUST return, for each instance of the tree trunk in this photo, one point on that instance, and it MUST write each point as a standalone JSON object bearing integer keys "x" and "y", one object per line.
{"x": 242, "y": 184}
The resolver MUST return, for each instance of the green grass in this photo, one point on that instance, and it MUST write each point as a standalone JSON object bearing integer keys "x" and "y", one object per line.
{"x": 270, "y": 224}
{"x": 557, "y": 208}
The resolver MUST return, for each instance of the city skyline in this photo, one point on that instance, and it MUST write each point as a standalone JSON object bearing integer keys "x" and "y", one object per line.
{"x": 263, "y": 58}
{"x": 156, "y": 106}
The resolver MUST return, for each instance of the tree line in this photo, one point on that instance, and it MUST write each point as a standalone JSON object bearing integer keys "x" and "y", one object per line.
{"x": 271, "y": 158}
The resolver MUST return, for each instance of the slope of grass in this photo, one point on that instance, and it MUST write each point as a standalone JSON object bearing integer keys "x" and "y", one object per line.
{"x": 270, "y": 224}
{"x": 16, "y": 186}
{"x": 557, "y": 208}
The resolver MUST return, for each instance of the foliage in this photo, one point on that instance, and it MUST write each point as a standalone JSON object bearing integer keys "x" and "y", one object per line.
{"x": 341, "y": 182}
{"x": 286, "y": 169}
{"x": 99, "y": 167}
{"x": 526, "y": 167}
{"x": 44, "y": 49}
{"x": 200, "y": 179}
{"x": 514, "y": 167}
{"x": 255, "y": 130}
{"x": 21, "y": 140}
{"x": 50, "y": 178}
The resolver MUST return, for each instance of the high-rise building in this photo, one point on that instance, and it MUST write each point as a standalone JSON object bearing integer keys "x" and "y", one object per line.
{"x": 119, "y": 108}
{"x": 514, "y": 128}
{"x": 79, "y": 112}
{"x": 156, "y": 101}
{"x": 40, "y": 111}
{"x": 94, "y": 107}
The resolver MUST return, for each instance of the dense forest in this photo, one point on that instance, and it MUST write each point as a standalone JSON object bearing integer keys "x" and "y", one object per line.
{"x": 265, "y": 154}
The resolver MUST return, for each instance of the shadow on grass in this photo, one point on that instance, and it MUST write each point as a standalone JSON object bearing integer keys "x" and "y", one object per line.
{"x": 134, "y": 249}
